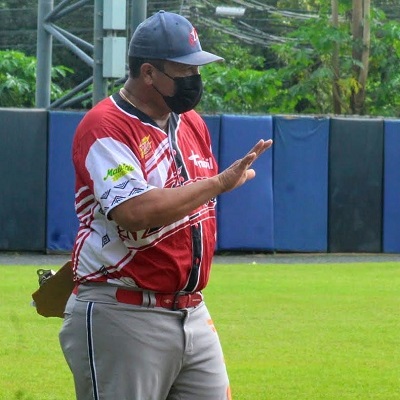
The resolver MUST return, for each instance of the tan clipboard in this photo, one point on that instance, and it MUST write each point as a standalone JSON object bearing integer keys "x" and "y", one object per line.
{"x": 52, "y": 296}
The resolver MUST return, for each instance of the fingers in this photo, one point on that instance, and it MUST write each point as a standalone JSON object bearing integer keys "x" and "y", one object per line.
{"x": 240, "y": 171}
{"x": 261, "y": 146}
{"x": 255, "y": 152}
{"x": 250, "y": 174}
{"x": 248, "y": 159}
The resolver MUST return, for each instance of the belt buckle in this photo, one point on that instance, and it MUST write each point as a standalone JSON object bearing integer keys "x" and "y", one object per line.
{"x": 178, "y": 296}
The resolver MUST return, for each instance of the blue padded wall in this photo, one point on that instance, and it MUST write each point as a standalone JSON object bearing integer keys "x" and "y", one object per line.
{"x": 355, "y": 185}
{"x": 23, "y": 150}
{"x": 391, "y": 187}
{"x": 301, "y": 184}
{"x": 62, "y": 223}
{"x": 213, "y": 123}
{"x": 245, "y": 215}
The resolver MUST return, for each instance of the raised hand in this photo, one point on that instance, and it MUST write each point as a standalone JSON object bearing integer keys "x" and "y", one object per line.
{"x": 240, "y": 172}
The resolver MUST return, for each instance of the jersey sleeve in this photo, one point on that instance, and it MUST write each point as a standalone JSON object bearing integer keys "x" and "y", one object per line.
{"x": 115, "y": 172}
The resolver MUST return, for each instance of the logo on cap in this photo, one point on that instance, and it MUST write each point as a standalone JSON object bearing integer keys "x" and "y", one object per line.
{"x": 193, "y": 37}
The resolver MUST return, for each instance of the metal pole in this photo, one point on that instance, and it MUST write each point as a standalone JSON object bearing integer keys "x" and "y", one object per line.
{"x": 99, "y": 83}
{"x": 138, "y": 13}
{"x": 55, "y": 32}
{"x": 44, "y": 56}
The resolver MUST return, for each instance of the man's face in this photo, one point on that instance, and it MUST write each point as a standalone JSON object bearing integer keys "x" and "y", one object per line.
{"x": 173, "y": 70}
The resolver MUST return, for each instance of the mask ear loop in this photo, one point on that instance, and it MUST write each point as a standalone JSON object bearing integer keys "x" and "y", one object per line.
{"x": 169, "y": 76}
{"x": 157, "y": 90}
{"x": 163, "y": 72}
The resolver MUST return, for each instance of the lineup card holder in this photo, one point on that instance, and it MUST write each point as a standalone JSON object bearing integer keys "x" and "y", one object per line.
{"x": 54, "y": 290}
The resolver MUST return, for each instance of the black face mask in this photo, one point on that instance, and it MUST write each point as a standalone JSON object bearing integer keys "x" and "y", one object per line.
{"x": 189, "y": 90}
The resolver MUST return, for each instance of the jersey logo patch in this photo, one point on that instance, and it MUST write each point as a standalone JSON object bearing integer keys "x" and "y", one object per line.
{"x": 206, "y": 163}
{"x": 119, "y": 172}
{"x": 145, "y": 147}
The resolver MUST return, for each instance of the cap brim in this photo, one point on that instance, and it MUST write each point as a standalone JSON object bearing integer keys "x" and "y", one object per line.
{"x": 197, "y": 58}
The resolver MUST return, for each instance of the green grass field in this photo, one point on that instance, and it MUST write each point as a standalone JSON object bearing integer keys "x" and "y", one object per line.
{"x": 299, "y": 332}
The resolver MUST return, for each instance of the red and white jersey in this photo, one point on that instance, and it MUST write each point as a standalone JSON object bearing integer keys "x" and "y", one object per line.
{"x": 119, "y": 153}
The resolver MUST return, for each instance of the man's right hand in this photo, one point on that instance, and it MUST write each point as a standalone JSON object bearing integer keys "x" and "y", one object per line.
{"x": 240, "y": 172}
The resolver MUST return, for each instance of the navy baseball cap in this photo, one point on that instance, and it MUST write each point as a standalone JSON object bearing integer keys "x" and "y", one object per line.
{"x": 169, "y": 36}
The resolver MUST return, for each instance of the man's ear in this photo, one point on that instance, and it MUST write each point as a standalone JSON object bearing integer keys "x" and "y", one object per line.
{"x": 147, "y": 71}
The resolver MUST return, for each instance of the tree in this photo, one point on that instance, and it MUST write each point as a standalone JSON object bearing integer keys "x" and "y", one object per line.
{"x": 338, "y": 55}
{"x": 360, "y": 28}
{"x": 18, "y": 79}
{"x": 336, "y": 95}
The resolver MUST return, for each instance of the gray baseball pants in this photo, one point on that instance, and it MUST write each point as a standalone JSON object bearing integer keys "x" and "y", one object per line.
{"x": 119, "y": 351}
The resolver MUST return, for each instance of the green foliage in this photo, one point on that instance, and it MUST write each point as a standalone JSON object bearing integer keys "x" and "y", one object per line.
{"x": 233, "y": 90}
{"x": 306, "y": 66}
{"x": 291, "y": 77}
{"x": 384, "y": 79}
{"x": 18, "y": 79}
{"x": 236, "y": 54}
{"x": 309, "y": 5}
{"x": 239, "y": 84}
{"x": 302, "y": 75}
{"x": 307, "y": 70}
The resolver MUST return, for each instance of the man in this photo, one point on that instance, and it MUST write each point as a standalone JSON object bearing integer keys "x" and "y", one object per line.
{"x": 137, "y": 327}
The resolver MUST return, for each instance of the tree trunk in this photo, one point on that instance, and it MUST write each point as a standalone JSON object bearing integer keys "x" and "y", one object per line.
{"x": 336, "y": 95}
{"x": 361, "y": 49}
